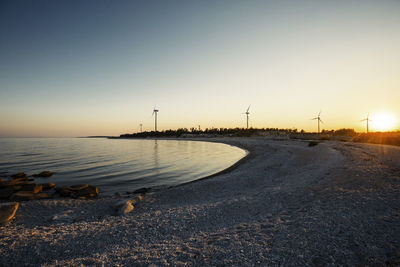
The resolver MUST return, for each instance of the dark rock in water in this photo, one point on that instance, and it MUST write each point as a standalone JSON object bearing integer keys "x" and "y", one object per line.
{"x": 22, "y": 179}
{"x": 7, "y": 211}
{"x": 28, "y": 195}
{"x": 19, "y": 175}
{"x": 1, "y": 180}
{"x": 64, "y": 191}
{"x": 78, "y": 187}
{"x": 88, "y": 192}
{"x": 5, "y": 193}
{"x": 47, "y": 186}
{"x": 22, "y": 196}
{"x": 31, "y": 188}
{"x": 43, "y": 174}
{"x": 143, "y": 190}
{"x": 42, "y": 195}
{"x": 12, "y": 183}
{"x": 82, "y": 191}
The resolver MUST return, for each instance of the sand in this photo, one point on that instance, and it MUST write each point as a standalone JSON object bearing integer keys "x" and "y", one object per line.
{"x": 285, "y": 204}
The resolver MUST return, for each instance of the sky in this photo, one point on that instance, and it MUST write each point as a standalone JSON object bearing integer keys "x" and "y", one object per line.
{"x": 78, "y": 68}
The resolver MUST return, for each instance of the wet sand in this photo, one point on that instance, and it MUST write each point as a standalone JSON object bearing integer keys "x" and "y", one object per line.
{"x": 285, "y": 204}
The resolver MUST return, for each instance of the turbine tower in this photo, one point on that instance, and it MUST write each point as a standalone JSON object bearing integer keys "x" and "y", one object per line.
{"x": 155, "y": 111}
{"x": 247, "y": 115}
{"x": 141, "y": 127}
{"x": 368, "y": 120}
{"x": 319, "y": 120}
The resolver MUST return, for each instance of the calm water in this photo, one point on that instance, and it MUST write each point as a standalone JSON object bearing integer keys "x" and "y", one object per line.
{"x": 115, "y": 165}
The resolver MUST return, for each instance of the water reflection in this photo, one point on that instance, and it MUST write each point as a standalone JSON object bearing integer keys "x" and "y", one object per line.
{"x": 156, "y": 155}
{"x": 116, "y": 165}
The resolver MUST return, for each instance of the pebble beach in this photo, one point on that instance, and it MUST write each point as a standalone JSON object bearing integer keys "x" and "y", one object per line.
{"x": 286, "y": 203}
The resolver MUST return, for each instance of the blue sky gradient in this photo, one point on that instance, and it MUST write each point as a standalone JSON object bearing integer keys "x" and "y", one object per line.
{"x": 71, "y": 68}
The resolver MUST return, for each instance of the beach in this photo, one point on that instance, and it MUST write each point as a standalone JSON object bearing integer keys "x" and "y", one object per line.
{"x": 286, "y": 203}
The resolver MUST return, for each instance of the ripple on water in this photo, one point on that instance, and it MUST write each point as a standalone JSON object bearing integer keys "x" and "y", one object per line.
{"x": 117, "y": 164}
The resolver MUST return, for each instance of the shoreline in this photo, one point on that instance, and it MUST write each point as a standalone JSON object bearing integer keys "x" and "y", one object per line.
{"x": 284, "y": 204}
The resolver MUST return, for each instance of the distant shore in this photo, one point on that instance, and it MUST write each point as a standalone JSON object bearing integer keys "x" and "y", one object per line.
{"x": 288, "y": 203}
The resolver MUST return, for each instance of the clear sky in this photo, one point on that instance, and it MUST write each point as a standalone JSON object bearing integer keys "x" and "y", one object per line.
{"x": 75, "y": 68}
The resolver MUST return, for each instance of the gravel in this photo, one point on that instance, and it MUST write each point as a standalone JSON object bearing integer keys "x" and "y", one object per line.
{"x": 285, "y": 204}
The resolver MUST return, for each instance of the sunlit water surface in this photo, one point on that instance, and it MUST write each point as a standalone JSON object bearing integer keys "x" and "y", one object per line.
{"x": 115, "y": 165}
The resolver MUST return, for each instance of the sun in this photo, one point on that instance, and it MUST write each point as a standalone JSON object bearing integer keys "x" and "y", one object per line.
{"x": 383, "y": 121}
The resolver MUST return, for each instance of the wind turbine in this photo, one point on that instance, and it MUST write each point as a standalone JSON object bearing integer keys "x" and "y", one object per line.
{"x": 155, "y": 111}
{"x": 247, "y": 115}
{"x": 319, "y": 120}
{"x": 140, "y": 127}
{"x": 368, "y": 120}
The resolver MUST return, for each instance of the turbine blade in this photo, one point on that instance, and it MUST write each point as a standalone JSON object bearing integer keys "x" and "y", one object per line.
{"x": 248, "y": 108}
{"x": 321, "y": 121}
{"x": 315, "y": 118}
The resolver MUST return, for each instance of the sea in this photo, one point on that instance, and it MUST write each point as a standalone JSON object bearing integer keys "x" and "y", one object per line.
{"x": 115, "y": 165}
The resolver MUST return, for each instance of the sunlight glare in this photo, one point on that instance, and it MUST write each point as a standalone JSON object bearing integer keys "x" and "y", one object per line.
{"x": 383, "y": 121}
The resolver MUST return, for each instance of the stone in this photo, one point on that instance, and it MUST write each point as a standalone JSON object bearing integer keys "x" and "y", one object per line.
{"x": 19, "y": 175}
{"x": 44, "y": 174}
{"x": 22, "y": 196}
{"x": 64, "y": 191}
{"x": 313, "y": 143}
{"x": 5, "y": 193}
{"x": 64, "y": 216}
{"x": 143, "y": 190}
{"x": 78, "y": 187}
{"x": 31, "y": 188}
{"x": 7, "y": 211}
{"x": 47, "y": 186}
{"x": 22, "y": 179}
{"x": 124, "y": 206}
{"x": 89, "y": 192}
{"x": 139, "y": 198}
{"x": 12, "y": 183}
{"x": 42, "y": 195}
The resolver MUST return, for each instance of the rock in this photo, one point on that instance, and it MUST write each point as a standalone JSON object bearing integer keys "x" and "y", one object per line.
{"x": 22, "y": 179}
{"x": 64, "y": 191}
{"x": 139, "y": 198}
{"x": 5, "y": 193}
{"x": 88, "y": 192}
{"x": 22, "y": 196}
{"x": 19, "y": 175}
{"x": 313, "y": 143}
{"x": 124, "y": 206}
{"x": 143, "y": 190}
{"x": 28, "y": 195}
{"x": 118, "y": 194}
{"x": 31, "y": 188}
{"x": 1, "y": 180}
{"x": 42, "y": 195}
{"x": 44, "y": 174}
{"x": 12, "y": 183}
{"x": 7, "y": 211}
{"x": 81, "y": 191}
{"x": 47, "y": 186}
{"x": 78, "y": 187}
{"x": 64, "y": 216}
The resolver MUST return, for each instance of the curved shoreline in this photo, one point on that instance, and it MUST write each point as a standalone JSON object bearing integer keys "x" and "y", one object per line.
{"x": 230, "y": 168}
{"x": 287, "y": 204}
